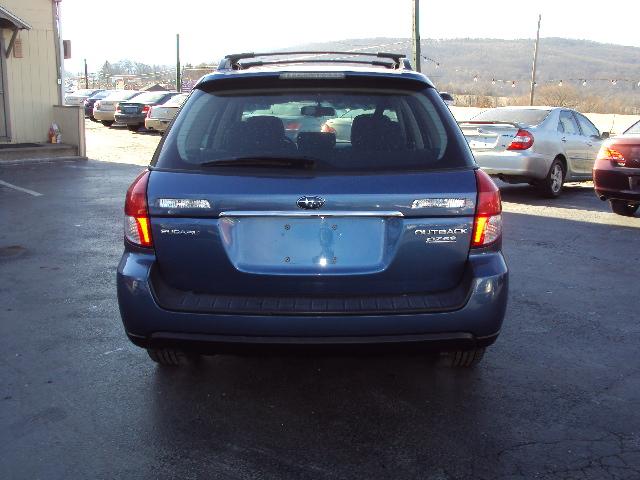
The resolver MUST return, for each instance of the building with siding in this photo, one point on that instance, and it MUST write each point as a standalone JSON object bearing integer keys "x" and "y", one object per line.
{"x": 30, "y": 89}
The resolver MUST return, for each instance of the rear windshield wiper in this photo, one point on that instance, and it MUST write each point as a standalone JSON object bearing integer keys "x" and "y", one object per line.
{"x": 262, "y": 161}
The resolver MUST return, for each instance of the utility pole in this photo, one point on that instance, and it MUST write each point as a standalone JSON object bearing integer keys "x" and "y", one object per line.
{"x": 535, "y": 63}
{"x": 86, "y": 75}
{"x": 178, "y": 80}
{"x": 416, "y": 35}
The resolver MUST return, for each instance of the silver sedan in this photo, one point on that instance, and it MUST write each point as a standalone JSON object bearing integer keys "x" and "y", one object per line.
{"x": 542, "y": 146}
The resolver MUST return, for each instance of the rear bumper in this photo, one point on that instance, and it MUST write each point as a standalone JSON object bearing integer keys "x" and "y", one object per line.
{"x": 616, "y": 183}
{"x": 125, "y": 119}
{"x": 156, "y": 124}
{"x": 477, "y": 322}
{"x": 103, "y": 116}
{"x": 528, "y": 165}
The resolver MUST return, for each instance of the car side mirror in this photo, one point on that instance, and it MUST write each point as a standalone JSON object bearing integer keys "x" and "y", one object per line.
{"x": 605, "y": 135}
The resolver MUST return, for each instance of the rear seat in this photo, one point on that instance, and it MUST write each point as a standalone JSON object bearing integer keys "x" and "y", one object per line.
{"x": 319, "y": 143}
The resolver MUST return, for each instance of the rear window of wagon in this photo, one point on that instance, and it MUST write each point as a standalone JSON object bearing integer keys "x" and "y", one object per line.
{"x": 338, "y": 129}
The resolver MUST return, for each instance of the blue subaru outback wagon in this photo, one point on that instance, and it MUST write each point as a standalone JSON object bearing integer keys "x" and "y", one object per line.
{"x": 302, "y": 201}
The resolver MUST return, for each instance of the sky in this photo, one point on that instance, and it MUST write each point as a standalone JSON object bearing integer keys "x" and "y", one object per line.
{"x": 144, "y": 30}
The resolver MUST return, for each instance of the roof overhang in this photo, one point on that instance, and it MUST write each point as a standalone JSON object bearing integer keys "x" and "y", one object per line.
{"x": 11, "y": 22}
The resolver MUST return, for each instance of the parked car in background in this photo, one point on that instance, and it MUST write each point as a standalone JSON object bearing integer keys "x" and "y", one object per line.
{"x": 91, "y": 101}
{"x": 159, "y": 117}
{"x": 542, "y": 146}
{"x": 239, "y": 238}
{"x": 104, "y": 110}
{"x": 616, "y": 173}
{"x": 79, "y": 96}
{"x": 341, "y": 125}
{"x": 133, "y": 112}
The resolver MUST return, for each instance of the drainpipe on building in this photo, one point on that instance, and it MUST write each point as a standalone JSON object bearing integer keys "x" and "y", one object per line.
{"x": 57, "y": 35}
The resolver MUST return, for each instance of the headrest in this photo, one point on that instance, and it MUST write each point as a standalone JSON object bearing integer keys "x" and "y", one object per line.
{"x": 264, "y": 126}
{"x": 375, "y": 132}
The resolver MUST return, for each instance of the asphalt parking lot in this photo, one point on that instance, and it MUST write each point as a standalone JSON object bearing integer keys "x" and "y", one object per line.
{"x": 556, "y": 397}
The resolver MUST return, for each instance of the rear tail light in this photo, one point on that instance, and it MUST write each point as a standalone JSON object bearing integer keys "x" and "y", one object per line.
{"x": 146, "y": 109}
{"x": 293, "y": 126}
{"x": 118, "y": 107}
{"x": 522, "y": 141}
{"x": 137, "y": 228}
{"x": 326, "y": 128}
{"x": 607, "y": 152}
{"x": 97, "y": 105}
{"x": 487, "y": 225}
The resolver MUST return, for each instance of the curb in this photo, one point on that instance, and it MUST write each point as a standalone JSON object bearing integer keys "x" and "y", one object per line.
{"x": 32, "y": 161}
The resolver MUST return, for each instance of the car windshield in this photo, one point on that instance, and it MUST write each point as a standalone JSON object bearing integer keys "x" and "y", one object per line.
{"x": 122, "y": 95}
{"x": 524, "y": 116}
{"x": 386, "y": 130}
{"x": 150, "y": 97}
{"x": 83, "y": 92}
{"x": 101, "y": 95}
{"x": 634, "y": 129}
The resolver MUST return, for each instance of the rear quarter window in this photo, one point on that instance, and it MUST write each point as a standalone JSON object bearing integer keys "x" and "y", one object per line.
{"x": 339, "y": 129}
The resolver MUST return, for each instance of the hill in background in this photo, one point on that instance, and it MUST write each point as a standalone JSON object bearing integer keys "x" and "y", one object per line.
{"x": 491, "y": 67}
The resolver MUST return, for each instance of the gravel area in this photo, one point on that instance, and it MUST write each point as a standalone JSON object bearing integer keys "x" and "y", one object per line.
{"x": 119, "y": 145}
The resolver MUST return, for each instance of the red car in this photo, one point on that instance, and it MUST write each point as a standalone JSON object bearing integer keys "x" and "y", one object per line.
{"x": 616, "y": 173}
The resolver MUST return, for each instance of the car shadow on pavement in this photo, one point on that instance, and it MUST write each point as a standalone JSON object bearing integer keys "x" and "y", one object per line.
{"x": 318, "y": 414}
{"x": 144, "y": 131}
{"x": 574, "y": 195}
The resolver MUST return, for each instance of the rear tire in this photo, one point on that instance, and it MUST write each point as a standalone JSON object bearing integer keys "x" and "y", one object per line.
{"x": 463, "y": 358}
{"x": 551, "y": 186}
{"x": 170, "y": 357}
{"x": 107, "y": 123}
{"x": 133, "y": 128}
{"x": 621, "y": 207}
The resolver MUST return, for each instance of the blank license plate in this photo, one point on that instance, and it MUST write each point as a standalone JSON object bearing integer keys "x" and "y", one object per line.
{"x": 290, "y": 243}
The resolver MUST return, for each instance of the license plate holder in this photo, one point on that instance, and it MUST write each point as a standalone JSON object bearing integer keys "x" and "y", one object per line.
{"x": 301, "y": 245}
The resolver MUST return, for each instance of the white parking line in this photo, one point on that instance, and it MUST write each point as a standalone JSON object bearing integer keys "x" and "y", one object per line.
{"x": 20, "y": 189}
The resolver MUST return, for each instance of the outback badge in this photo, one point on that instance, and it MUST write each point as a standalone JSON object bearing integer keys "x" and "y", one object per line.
{"x": 310, "y": 203}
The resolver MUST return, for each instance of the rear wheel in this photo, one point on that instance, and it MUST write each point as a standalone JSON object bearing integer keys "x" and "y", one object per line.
{"x": 107, "y": 123}
{"x": 171, "y": 357}
{"x": 622, "y": 207}
{"x": 463, "y": 358}
{"x": 551, "y": 186}
{"x": 133, "y": 128}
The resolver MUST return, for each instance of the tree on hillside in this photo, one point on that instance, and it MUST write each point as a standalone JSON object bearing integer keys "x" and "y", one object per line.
{"x": 558, "y": 96}
{"x": 105, "y": 71}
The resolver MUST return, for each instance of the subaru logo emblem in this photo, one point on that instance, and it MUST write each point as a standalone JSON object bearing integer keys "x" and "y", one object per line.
{"x": 310, "y": 203}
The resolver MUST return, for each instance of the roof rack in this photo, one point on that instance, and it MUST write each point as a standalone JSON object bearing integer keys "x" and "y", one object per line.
{"x": 232, "y": 62}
